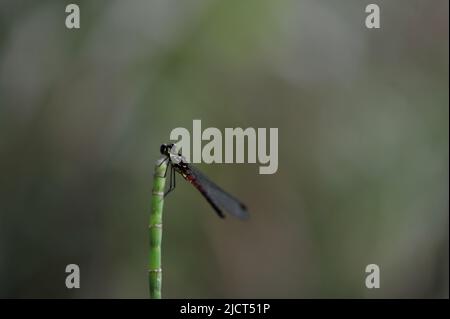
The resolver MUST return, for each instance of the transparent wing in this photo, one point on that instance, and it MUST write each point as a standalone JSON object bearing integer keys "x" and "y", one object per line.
{"x": 217, "y": 197}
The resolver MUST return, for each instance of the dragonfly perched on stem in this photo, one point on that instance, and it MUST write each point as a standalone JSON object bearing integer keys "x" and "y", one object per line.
{"x": 219, "y": 199}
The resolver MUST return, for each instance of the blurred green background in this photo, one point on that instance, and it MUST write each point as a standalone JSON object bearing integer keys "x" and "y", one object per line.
{"x": 363, "y": 147}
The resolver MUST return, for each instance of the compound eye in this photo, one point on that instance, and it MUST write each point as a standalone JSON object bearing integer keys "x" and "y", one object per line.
{"x": 163, "y": 149}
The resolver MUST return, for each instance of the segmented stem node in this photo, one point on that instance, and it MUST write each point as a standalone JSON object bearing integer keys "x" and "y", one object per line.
{"x": 155, "y": 229}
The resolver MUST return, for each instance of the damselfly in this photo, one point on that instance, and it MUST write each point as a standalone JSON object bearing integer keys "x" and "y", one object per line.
{"x": 219, "y": 199}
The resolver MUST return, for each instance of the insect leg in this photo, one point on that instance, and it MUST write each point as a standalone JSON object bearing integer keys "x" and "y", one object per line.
{"x": 163, "y": 161}
{"x": 167, "y": 167}
{"x": 174, "y": 176}
{"x": 171, "y": 187}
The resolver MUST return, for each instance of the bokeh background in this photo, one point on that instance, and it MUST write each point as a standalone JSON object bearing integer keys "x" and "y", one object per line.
{"x": 363, "y": 147}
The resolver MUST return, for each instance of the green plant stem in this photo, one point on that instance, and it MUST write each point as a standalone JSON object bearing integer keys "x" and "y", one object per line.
{"x": 155, "y": 230}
